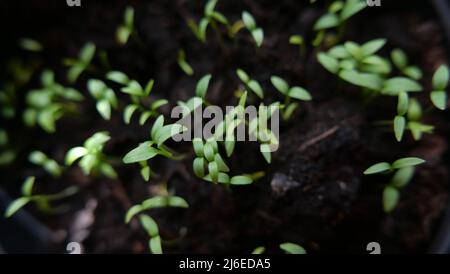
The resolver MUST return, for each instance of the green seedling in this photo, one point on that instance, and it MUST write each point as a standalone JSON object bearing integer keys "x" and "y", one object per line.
{"x": 7, "y": 155}
{"x": 93, "y": 160}
{"x": 409, "y": 116}
{"x": 256, "y": 32}
{"x": 400, "y": 120}
{"x": 126, "y": 29}
{"x": 289, "y": 93}
{"x": 259, "y": 250}
{"x": 30, "y": 45}
{"x": 414, "y": 124}
{"x": 256, "y": 127}
{"x": 339, "y": 12}
{"x": 159, "y": 134}
{"x": 200, "y": 91}
{"x": 184, "y": 65}
{"x": 358, "y": 65}
{"x": 7, "y": 101}
{"x": 299, "y": 41}
{"x": 266, "y": 138}
{"x": 250, "y": 84}
{"x": 202, "y": 86}
{"x": 404, "y": 171}
{"x": 81, "y": 64}
{"x": 47, "y": 105}
{"x": 440, "y": 83}
{"x": 384, "y": 167}
{"x": 138, "y": 96}
{"x": 352, "y": 56}
{"x": 199, "y": 99}
{"x": 210, "y": 17}
{"x": 235, "y": 28}
{"x": 48, "y": 164}
{"x": 401, "y": 62}
{"x": 210, "y": 166}
{"x": 105, "y": 97}
{"x": 148, "y": 223}
{"x": 291, "y": 248}
{"x": 19, "y": 73}
{"x": 43, "y": 202}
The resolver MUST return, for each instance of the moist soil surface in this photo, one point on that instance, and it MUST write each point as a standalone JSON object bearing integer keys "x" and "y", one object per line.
{"x": 313, "y": 193}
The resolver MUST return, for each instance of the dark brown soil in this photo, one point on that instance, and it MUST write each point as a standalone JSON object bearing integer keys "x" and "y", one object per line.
{"x": 313, "y": 193}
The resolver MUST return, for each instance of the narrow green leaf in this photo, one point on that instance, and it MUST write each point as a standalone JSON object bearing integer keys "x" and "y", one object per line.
{"x": 280, "y": 84}
{"x": 396, "y": 85}
{"x": 118, "y": 77}
{"x": 399, "y": 127}
{"x": 256, "y": 88}
{"x": 202, "y": 86}
{"x": 208, "y": 151}
{"x": 414, "y": 110}
{"x": 243, "y": 75}
{"x": 258, "y": 36}
{"x": 390, "y": 198}
{"x": 372, "y": 47}
{"x": 213, "y": 170}
{"x": 144, "y": 117}
{"x": 221, "y": 163}
{"x": 439, "y": 99}
{"x": 16, "y": 205}
{"x": 128, "y": 113}
{"x": 403, "y": 102}
{"x": 241, "y": 180}
{"x": 175, "y": 201}
{"x": 199, "y": 167}
{"x": 248, "y": 20}
{"x": 74, "y": 154}
{"x": 157, "y": 126}
{"x": 370, "y": 81}
{"x": 145, "y": 173}
{"x": 291, "y": 248}
{"x": 339, "y": 52}
{"x": 132, "y": 212}
{"x": 402, "y": 177}
{"x": 441, "y": 78}
{"x": 149, "y": 86}
{"x": 351, "y": 8}
{"x": 143, "y": 152}
{"x": 27, "y": 186}
{"x": 328, "y": 62}
{"x": 87, "y": 53}
{"x": 155, "y": 245}
{"x": 133, "y": 88}
{"x": 265, "y": 151}
{"x": 407, "y": 162}
{"x": 378, "y": 168}
{"x": 159, "y": 103}
{"x": 300, "y": 94}
{"x": 104, "y": 108}
{"x": 327, "y": 21}
{"x": 259, "y": 250}
{"x": 149, "y": 225}
{"x": 399, "y": 59}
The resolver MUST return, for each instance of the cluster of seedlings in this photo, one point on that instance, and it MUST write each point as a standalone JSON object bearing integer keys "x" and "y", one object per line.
{"x": 357, "y": 64}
